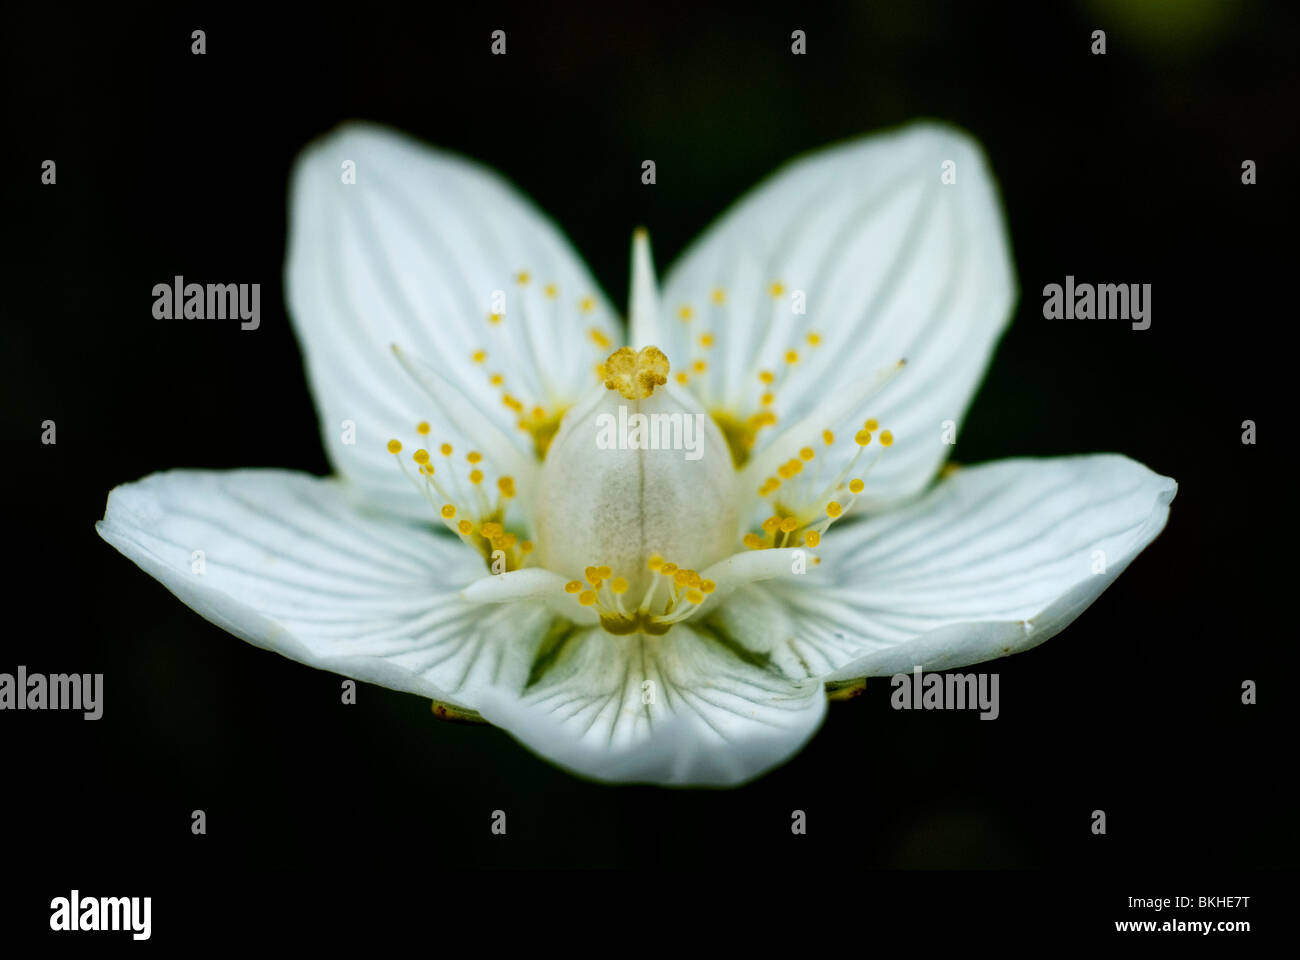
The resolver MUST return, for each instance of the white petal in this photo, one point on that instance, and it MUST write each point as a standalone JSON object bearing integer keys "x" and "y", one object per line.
{"x": 720, "y": 715}
{"x": 292, "y": 566}
{"x": 410, "y": 255}
{"x": 895, "y": 265}
{"x": 994, "y": 560}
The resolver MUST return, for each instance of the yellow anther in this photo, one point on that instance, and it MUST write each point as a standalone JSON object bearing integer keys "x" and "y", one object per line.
{"x": 476, "y": 476}
{"x": 604, "y": 572}
{"x": 789, "y": 525}
{"x": 771, "y": 524}
{"x": 767, "y": 376}
{"x": 635, "y": 374}
{"x": 598, "y": 338}
{"x": 422, "y": 428}
{"x": 587, "y": 304}
{"x": 870, "y": 424}
{"x": 539, "y": 413}
{"x": 525, "y": 546}
{"x": 465, "y": 528}
{"x": 445, "y": 449}
{"x": 618, "y": 585}
{"x": 814, "y": 339}
{"x": 694, "y": 596}
{"x": 718, "y": 295}
{"x": 807, "y": 453}
{"x": 591, "y": 573}
{"x": 668, "y": 569}
{"x": 776, "y": 289}
{"x": 707, "y": 586}
{"x": 682, "y": 378}
{"x": 856, "y": 485}
{"x": 573, "y": 586}
{"x": 507, "y": 486}
{"x": 682, "y": 577}
{"x": 886, "y": 438}
{"x": 706, "y": 340}
{"x": 699, "y": 366}
{"x": 495, "y": 318}
{"x": 833, "y": 509}
{"x": 550, "y": 290}
{"x": 792, "y": 356}
{"x": 827, "y": 437}
{"x": 862, "y": 438}
{"x": 767, "y": 399}
{"x": 448, "y": 511}
{"x": 508, "y": 541}
{"x": 521, "y": 277}
{"x": 655, "y": 561}
{"x": 753, "y": 541}
{"x": 496, "y": 379}
{"x": 587, "y": 598}
{"x": 812, "y": 538}
{"x": 394, "y": 446}
{"x": 478, "y": 356}
{"x": 491, "y": 530}
{"x": 474, "y": 456}
{"x": 685, "y": 313}
{"x": 511, "y": 402}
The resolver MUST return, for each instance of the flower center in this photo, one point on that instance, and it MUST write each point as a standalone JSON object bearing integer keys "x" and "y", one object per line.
{"x": 637, "y": 472}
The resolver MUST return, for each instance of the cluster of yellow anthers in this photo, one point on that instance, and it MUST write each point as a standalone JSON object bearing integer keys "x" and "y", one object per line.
{"x": 539, "y": 420}
{"x": 805, "y": 510}
{"x": 741, "y": 429}
{"x": 467, "y": 510}
{"x": 656, "y": 613}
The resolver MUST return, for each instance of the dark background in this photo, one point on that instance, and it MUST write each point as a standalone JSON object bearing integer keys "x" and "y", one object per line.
{"x": 1122, "y": 168}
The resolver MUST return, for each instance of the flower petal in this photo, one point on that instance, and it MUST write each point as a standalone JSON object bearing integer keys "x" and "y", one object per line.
{"x": 290, "y": 564}
{"x": 994, "y": 560}
{"x": 895, "y": 264}
{"x": 410, "y": 255}
{"x": 720, "y": 714}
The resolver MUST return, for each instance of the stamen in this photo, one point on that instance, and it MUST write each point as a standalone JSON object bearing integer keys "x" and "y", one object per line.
{"x": 808, "y": 504}
{"x": 468, "y": 514}
{"x": 674, "y": 594}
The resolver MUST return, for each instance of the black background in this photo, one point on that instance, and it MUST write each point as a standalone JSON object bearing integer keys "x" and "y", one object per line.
{"x": 1117, "y": 168}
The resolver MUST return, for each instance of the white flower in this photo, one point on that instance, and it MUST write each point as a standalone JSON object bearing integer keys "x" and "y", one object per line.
{"x": 661, "y": 618}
